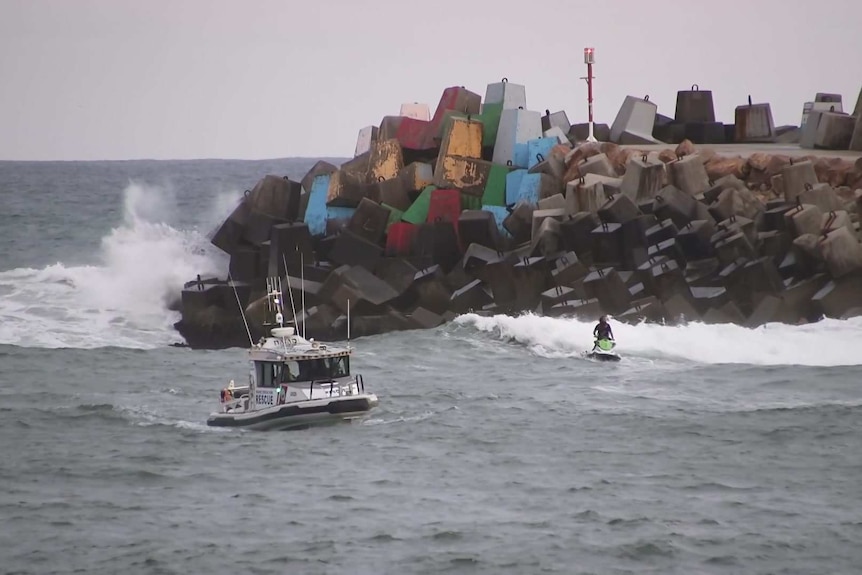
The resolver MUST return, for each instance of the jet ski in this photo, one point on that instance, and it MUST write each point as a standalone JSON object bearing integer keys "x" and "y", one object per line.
{"x": 603, "y": 350}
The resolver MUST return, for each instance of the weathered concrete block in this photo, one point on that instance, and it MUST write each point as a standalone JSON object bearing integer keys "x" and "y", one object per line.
{"x": 389, "y": 127}
{"x": 599, "y": 165}
{"x": 244, "y": 265}
{"x": 668, "y": 248}
{"x": 562, "y": 295}
{"x": 661, "y": 231}
{"x": 535, "y": 187}
{"x": 539, "y": 149}
{"x": 369, "y": 221}
{"x": 462, "y": 137}
{"x": 472, "y": 296}
{"x": 644, "y": 177}
{"x": 796, "y": 177}
{"x": 422, "y": 318}
{"x": 606, "y": 245}
{"x": 842, "y": 252}
{"x": 753, "y": 123}
{"x": 834, "y": 131}
{"x": 350, "y": 249}
{"x": 590, "y": 192}
{"x": 662, "y": 277}
{"x": 511, "y": 96}
{"x": 557, "y": 120}
{"x": 837, "y": 297}
{"x": 606, "y": 285}
{"x": 385, "y": 160}
{"x": 586, "y": 310}
{"x": 821, "y": 195}
{"x": 837, "y": 219}
{"x": 553, "y": 202}
{"x": 635, "y": 119}
{"x": 478, "y": 227}
{"x": 804, "y": 219}
{"x": 648, "y": 309}
{"x": 439, "y": 242}
{"x": 416, "y": 111}
{"x": 676, "y": 205}
{"x": 618, "y": 209}
{"x": 444, "y": 206}
{"x": 276, "y": 196}
{"x": 228, "y": 236}
{"x": 733, "y": 247}
{"x": 546, "y": 239}
{"x": 318, "y": 169}
{"x": 568, "y": 270}
{"x": 416, "y": 176}
{"x": 575, "y": 233}
{"x": 289, "y": 245}
{"x": 694, "y": 106}
{"x": 470, "y": 176}
{"x": 689, "y": 175}
{"x": 519, "y": 223}
{"x": 539, "y": 216}
{"x": 694, "y": 239}
{"x": 315, "y": 212}
{"x": 343, "y": 190}
{"x": 517, "y": 126}
{"x": 366, "y": 137}
{"x": 395, "y": 193}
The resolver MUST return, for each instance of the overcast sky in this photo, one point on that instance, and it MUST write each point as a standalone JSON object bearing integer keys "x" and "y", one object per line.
{"x": 123, "y": 79}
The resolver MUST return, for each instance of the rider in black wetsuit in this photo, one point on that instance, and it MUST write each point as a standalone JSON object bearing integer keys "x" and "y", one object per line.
{"x": 603, "y": 329}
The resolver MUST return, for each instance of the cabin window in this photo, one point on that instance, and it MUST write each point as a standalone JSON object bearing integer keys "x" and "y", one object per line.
{"x": 270, "y": 374}
{"x": 319, "y": 369}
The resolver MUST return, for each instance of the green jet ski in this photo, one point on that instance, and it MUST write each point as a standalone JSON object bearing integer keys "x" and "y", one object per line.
{"x": 603, "y": 350}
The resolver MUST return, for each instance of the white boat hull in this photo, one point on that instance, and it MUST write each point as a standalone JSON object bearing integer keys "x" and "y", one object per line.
{"x": 298, "y": 414}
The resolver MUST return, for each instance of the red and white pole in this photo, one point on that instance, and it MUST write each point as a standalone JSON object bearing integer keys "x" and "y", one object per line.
{"x": 589, "y": 59}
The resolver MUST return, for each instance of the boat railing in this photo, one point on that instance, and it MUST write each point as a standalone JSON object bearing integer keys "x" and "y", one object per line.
{"x": 353, "y": 386}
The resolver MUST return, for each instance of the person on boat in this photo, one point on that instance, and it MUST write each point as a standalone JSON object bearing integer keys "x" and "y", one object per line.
{"x": 603, "y": 330}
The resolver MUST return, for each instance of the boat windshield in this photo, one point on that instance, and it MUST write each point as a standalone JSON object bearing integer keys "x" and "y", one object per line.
{"x": 273, "y": 374}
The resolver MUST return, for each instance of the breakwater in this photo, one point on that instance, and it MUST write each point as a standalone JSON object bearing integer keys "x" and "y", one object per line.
{"x": 488, "y": 206}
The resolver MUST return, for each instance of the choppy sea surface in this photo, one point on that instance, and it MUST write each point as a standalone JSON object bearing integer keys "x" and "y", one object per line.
{"x": 496, "y": 448}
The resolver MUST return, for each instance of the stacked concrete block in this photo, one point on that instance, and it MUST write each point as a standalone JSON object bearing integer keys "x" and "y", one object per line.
{"x": 634, "y": 122}
{"x": 421, "y": 226}
{"x": 516, "y": 128}
{"x": 416, "y": 111}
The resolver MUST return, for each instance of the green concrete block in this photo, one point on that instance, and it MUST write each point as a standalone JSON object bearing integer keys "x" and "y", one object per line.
{"x": 469, "y": 202}
{"x": 495, "y": 188}
{"x": 490, "y": 117}
{"x": 417, "y": 213}
{"x": 394, "y": 215}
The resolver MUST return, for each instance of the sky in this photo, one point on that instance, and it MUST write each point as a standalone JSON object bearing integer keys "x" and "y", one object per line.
{"x": 256, "y": 79}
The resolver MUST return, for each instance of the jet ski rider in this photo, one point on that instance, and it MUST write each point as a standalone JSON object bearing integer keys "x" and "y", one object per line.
{"x": 603, "y": 329}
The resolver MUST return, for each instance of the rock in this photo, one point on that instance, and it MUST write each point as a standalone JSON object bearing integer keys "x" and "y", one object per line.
{"x": 685, "y": 148}
{"x": 719, "y": 167}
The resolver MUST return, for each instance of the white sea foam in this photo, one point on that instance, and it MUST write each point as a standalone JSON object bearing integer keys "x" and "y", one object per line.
{"x": 826, "y": 343}
{"x": 121, "y": 299}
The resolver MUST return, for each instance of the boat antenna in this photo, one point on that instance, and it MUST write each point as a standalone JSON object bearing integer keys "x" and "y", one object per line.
{"x": 302, "y": 288}
{"x": 348, "y": 322}
{"x": 289, "y": 289}
{"x": 239, "y": 305}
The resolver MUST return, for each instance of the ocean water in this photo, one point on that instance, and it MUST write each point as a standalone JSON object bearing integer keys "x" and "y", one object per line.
{"x": 496, "y": 448}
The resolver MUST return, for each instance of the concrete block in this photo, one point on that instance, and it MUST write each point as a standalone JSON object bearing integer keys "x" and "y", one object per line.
{"x": 228, "y": 236}
{"x": 834, "y": 131}
{"x": 804, "y": 219}
{"x": 556, "y": 120}
{"x": 842, "y": 252}
{"x": 705, "y": 132}
{"x": 562, "y": 295}
{"x": 661, "y": 231}
{"x": 606, "y": 245}
{"x": 468, "y": 175}
{"x": 575, "y": 233}
{"x": 678, "y": 309}
{"x": 557, "y": 134}
{"x": 513, "y": 185}
{"x": 662, "y": 277}
{"x": 318, "y": 169}
{"x": 395, "y": 194}
{"x": 369, "y": 221}
{"x": 416, "y": 176}
{"x": 636, "y": 118}
{"x": 810, "y": 128}
{"x": 343, "y": 190}
{"x": 350, "y": 249}
{"x": 478, "y": 227}
{"x": 539, "y": 216}
{"x": 753, "y": 123}
{"x": 568, "y": 270}
{"x": 837, "y": 219}
{"x": 585, "y": 310}
{"x": 618, "y": 209}
{"x": 511, "y": 96}
{"x": 648, "y": 309}
{"x": 478, "y": 256}
{"x": 553, "y": 202}
{"x": 315, "y": 212}
{"x": 399, "y": 238}
{"x": 676, "y": 205}
{"x": 590, "y": 192}
{"x": 244, "y": 265}
{"x": 421, "y": 318}
{"x": 580, "y": 132}
{"x": 694, "y": 106}
{"x": 694, "y": 239}
{"x": 385, "y": 160}
{"x": 290, "y": 244}
{"x": 599, "y": 165}
{"x": 837, "y": 297}
{"x": 495, "y": 186}
{"x": 539, "y": 149}
{"x": 366, "y": 137}
{"x": 517, "y": 126}
{"x": 461, "y": 137}
{"x": 644, "y": 177}
{"x": 689, "y": 175}
{"x": 546, "y": 238}
{"x": 733, "y": 247}
{"x": 276, "y": 196}
{"x": 444, "y": 206}
{"x": 796, "y": 177}
{"x": 416, "y": 111}
{"x": 519, "y": 223}
{"x": 821, "y": 195}
{"x": 535, "y": 187}
{"x": 607, "y": 286}
{"x": 389, "y": 127}
{"x": 669, "y": 249}
{"x": 439, "y": 242}
{"x": 856, "y": 138}
{"x": 469, "y": 298}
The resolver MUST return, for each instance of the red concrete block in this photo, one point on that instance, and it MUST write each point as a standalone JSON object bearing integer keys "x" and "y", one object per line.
{"x": 399, "y": 238}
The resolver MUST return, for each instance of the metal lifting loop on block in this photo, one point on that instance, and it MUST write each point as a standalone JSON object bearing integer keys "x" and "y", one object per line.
{"x": 380, "y": 179}
{"x": 547, "y": 113}
{"x": 646, "y": 98}
{"x": 644, "y": 157}
{"x": 540, "y": 158}
{"x": 749, "y": 101}
{"x": 520, "y": 107}
{"x": 808, "y": 187}
{"x": 247, "y": 193}
{"x": 504, "y": 80}
{"x": 695, "y": 88}
{"x": 509, "y": 162}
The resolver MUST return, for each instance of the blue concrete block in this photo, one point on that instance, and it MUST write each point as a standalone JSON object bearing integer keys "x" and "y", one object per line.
{"x": 529, "y": 189}
{"x": 513, "y": 184}
{"x": 339, "y": 213}
{"x": 539, "y": 147}
{"x": 500, "y": 214}
{"x": 315, "y": 213}
{"x": 521, "y": 156}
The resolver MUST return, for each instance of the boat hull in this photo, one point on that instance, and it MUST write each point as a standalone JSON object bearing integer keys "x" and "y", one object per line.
{"x": 297, "y": 415}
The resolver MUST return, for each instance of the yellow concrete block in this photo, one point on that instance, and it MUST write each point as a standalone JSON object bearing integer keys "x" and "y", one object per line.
{"x": 386, "y": 160}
